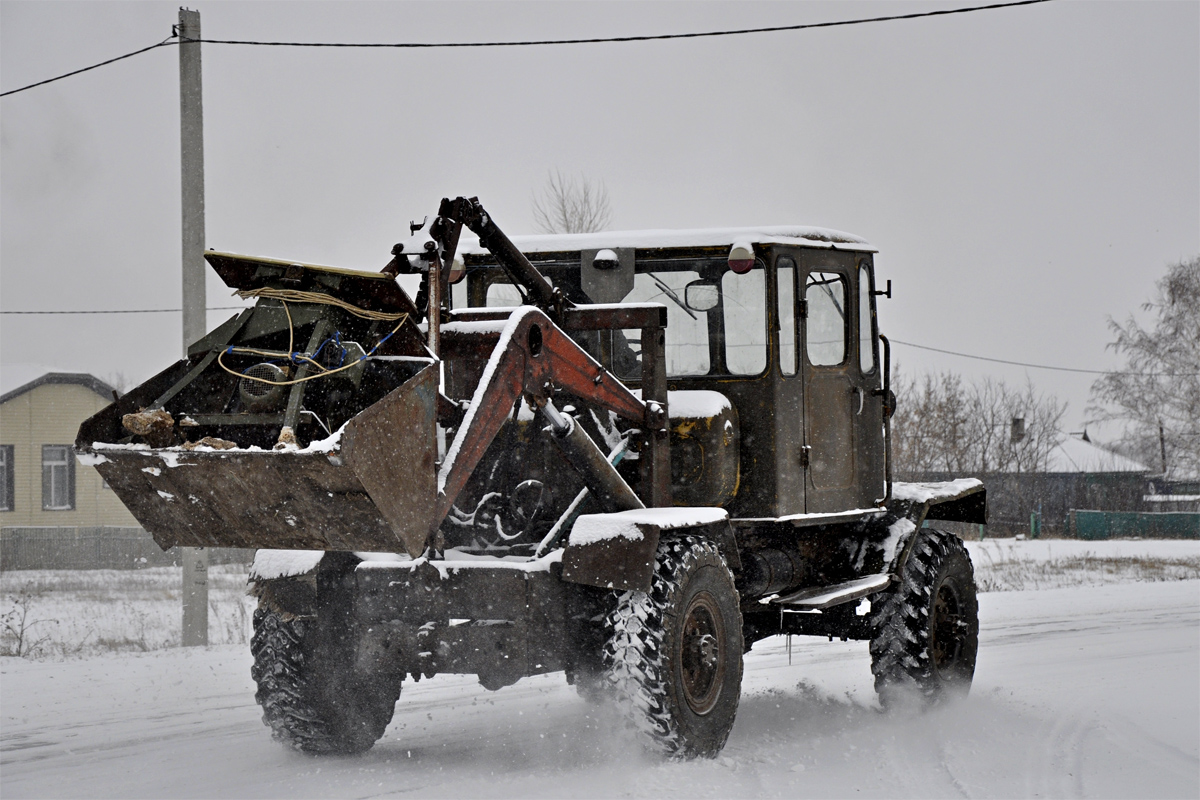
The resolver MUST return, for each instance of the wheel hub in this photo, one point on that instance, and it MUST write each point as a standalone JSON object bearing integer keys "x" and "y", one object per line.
{"x": 948, "y": 628}
{"x": 701, "y": 660}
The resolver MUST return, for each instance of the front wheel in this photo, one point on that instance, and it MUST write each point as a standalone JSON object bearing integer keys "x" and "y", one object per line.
{"x": 674, "y": 655}
{"x": 312, "y": 697}
{"x": 926, "y": 629}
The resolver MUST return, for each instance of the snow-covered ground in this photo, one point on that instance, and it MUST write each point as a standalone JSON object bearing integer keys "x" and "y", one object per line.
{"x": 1006, "y": 565}
{"x": 1091, "y": 690}
{"x": 79, "y": 613}
{"x": 84, "y": 612}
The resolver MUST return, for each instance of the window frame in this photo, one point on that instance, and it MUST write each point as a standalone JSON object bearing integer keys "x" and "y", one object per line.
{"x": 760, "y": 267}
{"x": 847, "y": 284}
{"x": 866, "y": 269}
{"x": 786, "y": 262}
{"x": 7, "y": 484}
{"x": 48, "y": 482}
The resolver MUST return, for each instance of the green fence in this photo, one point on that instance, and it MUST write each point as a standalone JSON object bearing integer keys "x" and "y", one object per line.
{"x": 1132, "y": 524}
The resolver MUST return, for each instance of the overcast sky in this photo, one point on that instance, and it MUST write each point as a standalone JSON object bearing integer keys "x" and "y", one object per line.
{"x": 1025, "y": 173}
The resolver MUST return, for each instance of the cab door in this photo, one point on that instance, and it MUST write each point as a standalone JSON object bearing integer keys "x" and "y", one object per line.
{"x": 834, "y": 390}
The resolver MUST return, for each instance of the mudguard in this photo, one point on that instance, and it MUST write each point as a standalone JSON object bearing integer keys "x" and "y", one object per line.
{"x": 617, "y": 551}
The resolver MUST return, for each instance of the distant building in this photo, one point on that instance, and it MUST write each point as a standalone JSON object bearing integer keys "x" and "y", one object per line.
{"x": 1078, "y": 475}
{"x": 1173, "y": 495}
{"x": 41, "y": 483}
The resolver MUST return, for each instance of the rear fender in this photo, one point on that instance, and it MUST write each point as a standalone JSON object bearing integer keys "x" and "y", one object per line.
{"x": 617, "y": 551}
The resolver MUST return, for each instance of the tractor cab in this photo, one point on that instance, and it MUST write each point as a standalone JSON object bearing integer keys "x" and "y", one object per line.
{"x": 779, "y": 322}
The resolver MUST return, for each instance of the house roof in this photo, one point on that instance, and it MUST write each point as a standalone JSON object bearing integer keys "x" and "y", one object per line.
{"x": 1073, "y": 454}
{"x": 48, "y": 378}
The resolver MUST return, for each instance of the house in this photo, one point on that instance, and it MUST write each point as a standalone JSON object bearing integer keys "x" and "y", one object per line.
{"x": 41, "y": 483}
{"x": 1166, "y": 495}
{"x": 1078, "y": 475}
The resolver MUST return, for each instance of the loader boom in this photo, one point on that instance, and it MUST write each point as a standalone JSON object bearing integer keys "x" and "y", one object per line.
{"x": 532, "y": 359}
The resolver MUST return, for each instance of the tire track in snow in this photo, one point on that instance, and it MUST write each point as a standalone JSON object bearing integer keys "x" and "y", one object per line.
{"x": 1055, "y": 755}
{"x": 944, "y": 763}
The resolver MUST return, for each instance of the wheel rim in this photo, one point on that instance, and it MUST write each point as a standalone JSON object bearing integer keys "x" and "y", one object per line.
{"x": 702, "y": 656}
{"x": 948, "y": 628}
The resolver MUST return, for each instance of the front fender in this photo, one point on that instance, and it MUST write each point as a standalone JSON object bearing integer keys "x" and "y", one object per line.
{"x": 286, "y": 580}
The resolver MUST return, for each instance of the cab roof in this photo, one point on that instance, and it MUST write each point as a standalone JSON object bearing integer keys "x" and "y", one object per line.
{"x": 686, "y": 238}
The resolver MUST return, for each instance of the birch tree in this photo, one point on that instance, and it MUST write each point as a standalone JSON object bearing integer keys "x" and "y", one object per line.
{"x": 1157, "y": 394}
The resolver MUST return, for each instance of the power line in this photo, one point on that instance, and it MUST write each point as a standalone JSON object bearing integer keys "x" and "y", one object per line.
{"x": 531, "y": 43}
{"x": 897, "y": 341}
{"x": 646, "y": 38}
{"x": 163, "y": 43}
{"x": 1044, "y": 366}
{"x": 129, "y": 311}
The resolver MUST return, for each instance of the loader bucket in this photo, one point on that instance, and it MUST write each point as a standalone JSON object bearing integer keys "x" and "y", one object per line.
{"x": 371, "y": 486}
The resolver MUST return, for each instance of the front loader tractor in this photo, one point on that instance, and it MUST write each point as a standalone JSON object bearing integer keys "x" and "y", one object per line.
{"x": 623, "y": 456}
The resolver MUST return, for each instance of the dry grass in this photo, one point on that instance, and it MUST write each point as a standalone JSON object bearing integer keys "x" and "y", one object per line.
{"x": 1017, "y": 574}
{"x": 84, "y": 612}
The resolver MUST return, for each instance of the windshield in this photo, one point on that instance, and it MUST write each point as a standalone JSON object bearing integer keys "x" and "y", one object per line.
{"x": 724, "y": 335}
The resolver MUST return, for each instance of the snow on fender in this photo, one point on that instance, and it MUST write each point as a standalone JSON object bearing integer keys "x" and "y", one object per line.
{"x": 616, "y": 551}
{"x": 273, "y": 564}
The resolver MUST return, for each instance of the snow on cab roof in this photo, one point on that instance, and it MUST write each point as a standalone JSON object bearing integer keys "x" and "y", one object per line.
{"x": 697, "y": 237}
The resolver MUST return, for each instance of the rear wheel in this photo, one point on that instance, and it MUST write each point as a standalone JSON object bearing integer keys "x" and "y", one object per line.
{"x": 312, "y": 697}
{"x": 927, "y": 627}
{"x": 674, "y": 655}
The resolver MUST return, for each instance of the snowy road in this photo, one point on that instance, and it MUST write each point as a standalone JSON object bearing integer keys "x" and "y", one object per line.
{"x": 1091, "y": 692}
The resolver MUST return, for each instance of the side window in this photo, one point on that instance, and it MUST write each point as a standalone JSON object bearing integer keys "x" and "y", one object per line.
{"x": 786, "y": 285}
{"x": 6, "y": 477}
{"x": 502, "y": 295}
{"x": 58, "y": 478}
{"x": 866, "y": 341}
{"x": 745, "y": 309}
{"x": 825, "y": 326}
{"x": 459, "y": 297}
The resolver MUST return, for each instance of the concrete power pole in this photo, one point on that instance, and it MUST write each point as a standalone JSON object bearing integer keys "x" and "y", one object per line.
{"x": 191, "y": 130}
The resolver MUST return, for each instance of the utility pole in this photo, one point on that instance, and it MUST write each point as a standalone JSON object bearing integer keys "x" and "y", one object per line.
{"x": 191, "y": 133}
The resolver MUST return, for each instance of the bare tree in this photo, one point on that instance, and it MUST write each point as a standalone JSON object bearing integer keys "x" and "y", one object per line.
{"x": 1157, "y": 395}
{"x": 945, "y": 425}
{"x": 929, "y": 430}
{"x": 570, "y": 205}
{"x": 119, "y": 381}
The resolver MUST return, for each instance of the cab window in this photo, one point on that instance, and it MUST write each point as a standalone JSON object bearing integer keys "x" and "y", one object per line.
{"x": 866, "y": 339}
{"x": 825, "y": 327}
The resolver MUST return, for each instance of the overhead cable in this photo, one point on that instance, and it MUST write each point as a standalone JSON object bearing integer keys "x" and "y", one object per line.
{"x": 894, "y": 340}
{"x": 129, "y": 311}
{"x": 163, "y": 43}
{"x": 1044, "y": 366}
{"x": 173, "y": 39}
{"x": 645, "y": 38}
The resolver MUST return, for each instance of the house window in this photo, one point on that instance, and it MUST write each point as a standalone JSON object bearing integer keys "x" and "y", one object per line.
{"x": 58, "y": 478}
{"x": 6, "y": 477}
